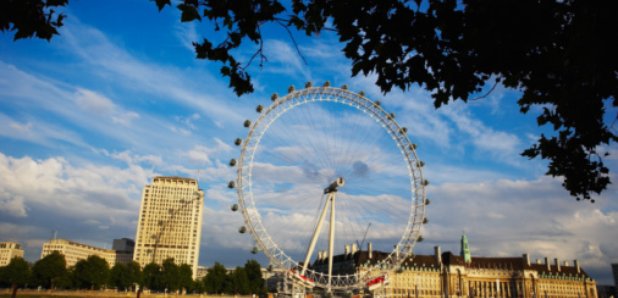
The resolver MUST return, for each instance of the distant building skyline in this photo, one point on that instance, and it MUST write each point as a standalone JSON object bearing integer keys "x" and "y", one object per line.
{"x": 170, "y": 222}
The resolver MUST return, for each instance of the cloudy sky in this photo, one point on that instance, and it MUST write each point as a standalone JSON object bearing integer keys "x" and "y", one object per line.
{"x": 88, "y": 119}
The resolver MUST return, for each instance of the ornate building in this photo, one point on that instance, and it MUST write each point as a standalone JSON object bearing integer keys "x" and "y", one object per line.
{"x": 449, "y": 275}
{"x": 170, "y": 222}
{"x": 9, "y": 250}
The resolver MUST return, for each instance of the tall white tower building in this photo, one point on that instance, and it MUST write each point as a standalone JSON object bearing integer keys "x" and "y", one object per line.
{"x": 170, "y": 222}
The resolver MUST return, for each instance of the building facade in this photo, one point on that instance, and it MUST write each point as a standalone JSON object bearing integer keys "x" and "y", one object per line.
{"x": 170, "y": 222}
{"x": 9, "y": 250}
{"x": 124, "y": 248}
{"x": 448, "y": 275}
{"x": 75, "y": 251}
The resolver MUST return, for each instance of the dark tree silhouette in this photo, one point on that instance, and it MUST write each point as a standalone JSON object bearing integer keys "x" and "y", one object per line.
{"x": 48, "y": 271}
{"x": 560, "y": 54}
{"x": 16, "y": 273}
{"x": 91, "y": 273}
{"x": 30, "y": 18}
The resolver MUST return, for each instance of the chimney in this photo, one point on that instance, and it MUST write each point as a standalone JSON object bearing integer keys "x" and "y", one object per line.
{"x": 370, "y": 250}
{"x": 547, "y": 264}
{"x": 438, "y": 254}
{"x": 576, "y": 265}
{"x": 526, "y": 258}
{"x": 557, "y": 263}
{"x": 354, "y": 248}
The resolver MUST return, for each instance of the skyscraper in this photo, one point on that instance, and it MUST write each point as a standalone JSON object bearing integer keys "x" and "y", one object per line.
{"x": 170, "y": 222}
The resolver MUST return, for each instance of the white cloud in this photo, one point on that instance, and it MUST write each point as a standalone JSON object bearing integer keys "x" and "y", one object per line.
{"x": 56, "y": 186}
{"x": 285, "y": 60}
{"x": 510, "y": 217}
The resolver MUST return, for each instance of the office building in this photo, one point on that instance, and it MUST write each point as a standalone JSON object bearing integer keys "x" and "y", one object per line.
{"x": 75, "y": 251}
{"x": 170, "y": 222}
{"x": 9, "y": 250}
{"x": 124, "y": 250}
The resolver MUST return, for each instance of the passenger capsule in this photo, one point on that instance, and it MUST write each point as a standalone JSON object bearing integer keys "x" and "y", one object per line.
{"x": 242, "y": 230}
{"x": 427, "y": 202}
{"x": 231, "y": 184}
{"x": 291, "y": 89}
{"x": 361, "y": 93}
{"x": 327, "y": 84}
{"x": 234, "y": 207}
{"x": 425, "y": 220}
{"x": 420, "y": 163}
{"x": 420, "y": 238}
{"x": 238, "y": 141}
{"x": 392, "y": 116}
{"x": 412, "y": 146}
{"x": 254, "y": 250}
{"x": 425, "y": 182}
{"x": 377, "y": 103}
{"x": 247, "y": 123}
{"x": 274, "y": 96}
{"x": 259, "y": 108}
{"x": 403, "y": 130}
{"x": 232, "y": 162}
{"x": 308, "y": 85}
{"x": 344, "y": 87}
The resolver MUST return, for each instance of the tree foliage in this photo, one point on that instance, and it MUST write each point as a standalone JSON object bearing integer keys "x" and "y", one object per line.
{"x": 237, "y": 282}
{"x": 254, "y": 274}
{"x": 91, "y": 273}
{"x": 30, "y": 18}
{"x": 50, "y": 270}
{"x": 185, "y": 277}
{"x": 214, "y": 282}
{"x": 17, "y": 273}
{"x": 151, "y": 276}
{"x": 124, "y": 276}
{"x": 559, "y": 54}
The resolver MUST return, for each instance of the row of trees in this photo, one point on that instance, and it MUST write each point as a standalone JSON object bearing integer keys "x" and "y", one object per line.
{"x": 94, "y": 273}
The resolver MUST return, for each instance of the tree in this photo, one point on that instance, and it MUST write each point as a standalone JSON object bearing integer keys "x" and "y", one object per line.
{"x": 124, "y": 276}
{"x": 170, "y": 275}
{"x": 17, "y": 273}
{"x": 215, "y": 279}
{"x": 254, "y": 274}
{"x": 49, "y": 270}
{"x": 237, "y": 282}
{"x": 151, "y": 276}
{"x": 185, "y": 277}
{"x": 562, "y": 58}
{"x": 92, "y": 273}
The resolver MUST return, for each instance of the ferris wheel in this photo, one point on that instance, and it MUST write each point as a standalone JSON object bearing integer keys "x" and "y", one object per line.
{"x": 324, "y": 151}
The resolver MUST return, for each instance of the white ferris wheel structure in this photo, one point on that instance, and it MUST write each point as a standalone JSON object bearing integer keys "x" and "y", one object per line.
{"x": 251, "y": 194}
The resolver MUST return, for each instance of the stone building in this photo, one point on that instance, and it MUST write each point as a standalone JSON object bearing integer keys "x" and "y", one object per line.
{"x": 170, "y": 222}
{"x": 9, "y": 250}
{"x": 449, "y": 275}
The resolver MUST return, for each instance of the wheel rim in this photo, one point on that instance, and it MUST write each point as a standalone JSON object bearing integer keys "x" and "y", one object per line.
{"x": 244, "y": 182}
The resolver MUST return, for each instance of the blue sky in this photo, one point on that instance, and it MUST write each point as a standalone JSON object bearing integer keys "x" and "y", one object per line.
{"x": 88, "y": 119}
